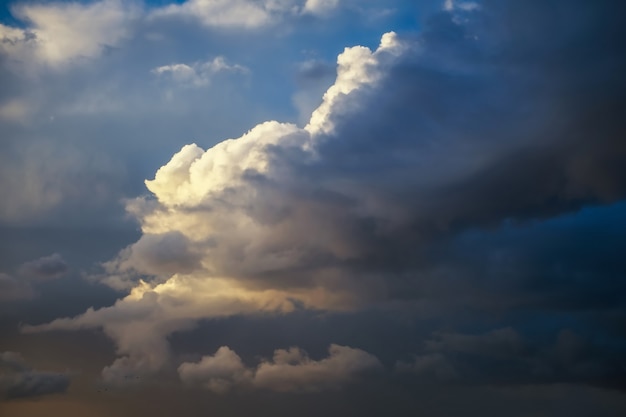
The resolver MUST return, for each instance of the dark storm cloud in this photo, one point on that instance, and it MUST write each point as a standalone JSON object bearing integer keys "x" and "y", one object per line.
{"x": 503, "y": 356}
{"x": 493, "y": 120}
{"x": 18, "y": 380}
{"x": 484, "y": 122}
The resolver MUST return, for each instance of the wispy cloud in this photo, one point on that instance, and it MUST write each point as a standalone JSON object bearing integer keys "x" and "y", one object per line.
{"x": 198, "y": 74}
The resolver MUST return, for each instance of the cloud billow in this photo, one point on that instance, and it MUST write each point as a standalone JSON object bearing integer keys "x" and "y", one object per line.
{"x": 289, "y": 370}
{"x": 476, "y": 122}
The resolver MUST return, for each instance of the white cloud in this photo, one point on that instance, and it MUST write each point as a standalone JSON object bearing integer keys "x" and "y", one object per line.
{"x": 356, "y": 67}
{"x": 198, "y": 74}
{"x": 289, "y": 370}
{"x": 211, "y": 232}
{"x": 56, "y": 33}
{"x": 467, "y": 6}
{"x": 246, "y": 14}
{"x": 320, "y": 7}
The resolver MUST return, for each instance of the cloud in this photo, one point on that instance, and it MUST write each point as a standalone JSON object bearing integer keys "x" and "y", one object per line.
{"x": 431, "y": 367}
{"x": 18, "y": 380}
{"x": 217, "y": 373}
{"x": 47, "y": 267}
{"x": 289, "y": 370}
{"x": 293, "y": 370}
{"x": 498, "y": 342}
{"x": 504, "y": 356}
{"x": 56, "y": 33}
{"x": 244, "y": 14}
{"x": 12, "y": 288}
{"x": 141, "y": 322}
{"x": 14, "y": 110}
{"x": 451, "y": 5}
{"x": 41, "y": 176}
{"x": 198, "y": 74}
{"x": 320, "y": 7}
{"x": 466, "y": 127}
{"x": 20, "y": 287}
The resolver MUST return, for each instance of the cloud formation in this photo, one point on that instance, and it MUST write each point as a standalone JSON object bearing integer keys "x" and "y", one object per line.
{"x": 58, "y": 32}
{"x": 464, "y": 128}
{"x": 47, "y": 267}
{"x": 289, "y": 370}
{"x": 204, "y": 201}
{"x": 18, "y": 380}
{"x": 22, "y": 285}
{"x": 12, "y": 288}
{"x": 198, "y": 74}
{"x": 243, "y": 14}
{"x": 503, "y": 356}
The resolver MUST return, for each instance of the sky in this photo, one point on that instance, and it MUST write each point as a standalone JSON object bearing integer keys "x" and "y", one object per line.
{"x": 313, "y": 207}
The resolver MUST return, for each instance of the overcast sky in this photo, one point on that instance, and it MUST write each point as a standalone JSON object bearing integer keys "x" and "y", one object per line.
{"x": 313, "y": 207}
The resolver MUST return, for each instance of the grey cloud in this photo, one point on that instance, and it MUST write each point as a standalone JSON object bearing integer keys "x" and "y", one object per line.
{"x": 18, "y": 380}
{"x": 500, "y": 342}
{"x": 473, "y": 123}
{"x": 21, "y": 286}
{"x": 431, "y": 367}
{"x": 12, "y": 288}
{"x": 47, "y": 267}
{"x": 503, "y": 356}
{"x": 289, "y": 370}
{"x": 160, "y": 255}
{"x": 217, "y": 373}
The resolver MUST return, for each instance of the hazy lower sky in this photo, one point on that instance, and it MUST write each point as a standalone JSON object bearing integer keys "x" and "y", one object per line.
{"x": 313, "y": 207}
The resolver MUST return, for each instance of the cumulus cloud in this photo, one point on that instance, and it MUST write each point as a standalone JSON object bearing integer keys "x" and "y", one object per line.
{"x": 293, "y": 370}
{"x": 289, "y": 370}
{"x": 18, "y": 380}
{"x": 56, "y": 33}
{"x": 217, "y": 373}
{"x": 141, "y": 322}
{"x": 414, "y": 143}
{"x": 198, "y": 74}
